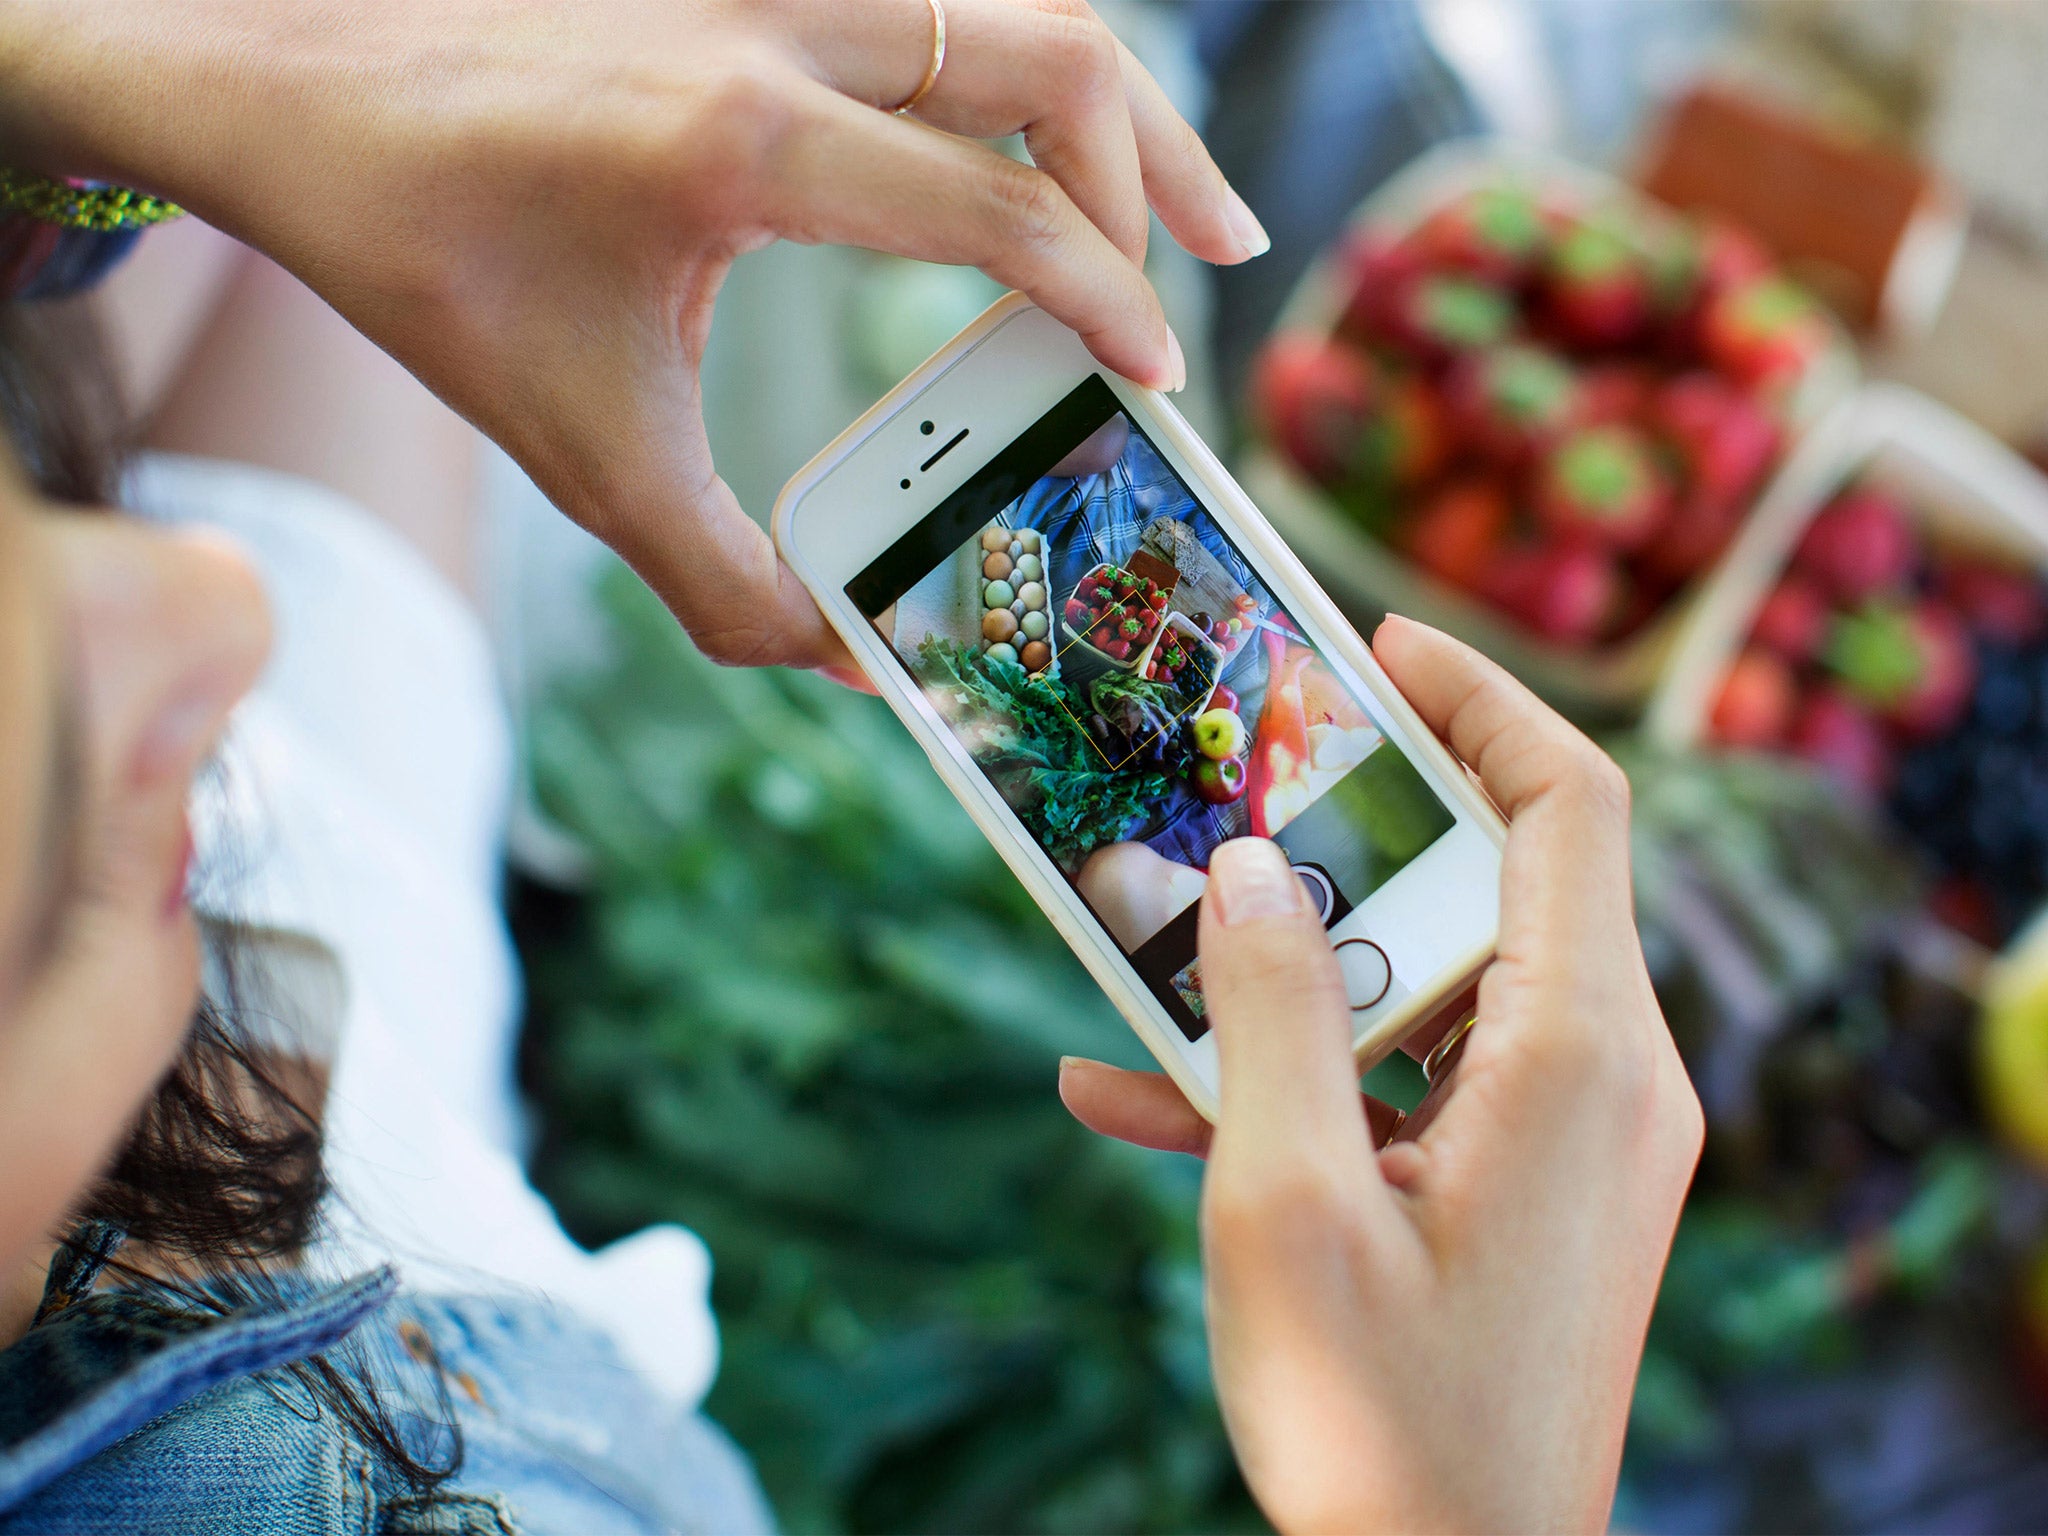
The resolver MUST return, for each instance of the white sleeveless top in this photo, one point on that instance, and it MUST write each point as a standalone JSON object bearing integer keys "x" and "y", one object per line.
{"x": 357, "y": 825}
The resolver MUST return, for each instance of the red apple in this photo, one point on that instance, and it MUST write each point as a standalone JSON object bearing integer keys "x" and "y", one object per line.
{"x": 1219, "y": 781}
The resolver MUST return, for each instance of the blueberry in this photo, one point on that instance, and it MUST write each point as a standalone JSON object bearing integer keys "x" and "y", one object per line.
{"x": 2004, "y": 704}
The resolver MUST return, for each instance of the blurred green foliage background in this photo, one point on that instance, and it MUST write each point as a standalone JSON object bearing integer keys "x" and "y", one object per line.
{"x": 804, "y": 1010}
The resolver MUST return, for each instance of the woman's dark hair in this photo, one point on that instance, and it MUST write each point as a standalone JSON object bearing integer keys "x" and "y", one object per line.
{"x": 220, "y": 1177}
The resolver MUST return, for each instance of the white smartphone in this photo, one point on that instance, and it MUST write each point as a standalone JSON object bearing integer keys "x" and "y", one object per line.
{"x": 1115, "y": 663}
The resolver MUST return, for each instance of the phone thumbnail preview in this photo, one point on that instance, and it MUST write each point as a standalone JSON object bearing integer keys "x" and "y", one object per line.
{"x": 1111, "y": 662}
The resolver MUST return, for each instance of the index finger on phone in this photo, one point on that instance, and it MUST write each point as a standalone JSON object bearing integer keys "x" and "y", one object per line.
{"x": 837, "y": 172}
{"x": 1052, "y": 73}
{"x": 1198, "y": 207}
{"x": 1091, "y": 115}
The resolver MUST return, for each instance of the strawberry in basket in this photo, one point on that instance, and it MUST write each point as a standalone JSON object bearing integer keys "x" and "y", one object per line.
{"x": 1755, "y": 705}
{"x": 1407, "y": 440}
{"x": 1714, "y": 257}
{"x": 1860, "y": 544}
{"x": 1314, "y": 397}
{"x": 1764, "y": 332}
{"x": 1116, "y": 611}
{"x": 1437, "y": 315}
{"x": 1603, "y": 483}
{"x": 1376, "y": 265}
{"x": 1598, "y": 287}
{"x": 1614, "y": 394}
{"x": 1842, "y": 738}
{"x": 1724, "y": 440}
{"x": 2004, "y": 604}
{"x": 1912, "y": 664}
{"x": 1793, "y": 619}
{"x": 1565, "y": 589}
{"x": 1459, "y": 532}
{"x": 1168, "y": 660}
{"x": 1496, "y": 234}
{"x": 1691, "y": 539}
{"x": 1615, "y": 378}
{"x": 1508, "y": 401}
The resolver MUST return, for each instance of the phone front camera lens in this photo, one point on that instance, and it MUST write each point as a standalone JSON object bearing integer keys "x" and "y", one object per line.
{"x": 906, "y": 485}
{"x": 927, "y": 428}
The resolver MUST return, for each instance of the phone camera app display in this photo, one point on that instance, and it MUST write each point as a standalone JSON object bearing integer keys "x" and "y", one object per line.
{"x": 1134, "y": 692}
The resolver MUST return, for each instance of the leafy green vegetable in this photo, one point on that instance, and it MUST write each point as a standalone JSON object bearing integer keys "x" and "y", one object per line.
{"x": 1114, "y": 687}
{"x": 804, "y": 1010}
{"x": 1025, "y": 733}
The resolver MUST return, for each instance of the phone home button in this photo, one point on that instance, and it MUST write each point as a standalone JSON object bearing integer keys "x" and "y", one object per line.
{"x": 1368, "y": 975}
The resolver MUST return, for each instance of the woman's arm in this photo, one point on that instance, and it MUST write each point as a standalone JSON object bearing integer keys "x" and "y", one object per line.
{"x": 532, "y": 203}
{"x": 1443, "y": 1334}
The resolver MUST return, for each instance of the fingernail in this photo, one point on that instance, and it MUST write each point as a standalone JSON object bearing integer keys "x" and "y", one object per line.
{"x": 1249, "y": 880}
{"x": 1066, "y": 1062}
{"x": 1244, "y": 224}
{"x": 1178, "y": 360}
{"x": 848, "y": 677}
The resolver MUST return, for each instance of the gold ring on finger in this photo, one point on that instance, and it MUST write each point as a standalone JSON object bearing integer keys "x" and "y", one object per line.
{"x": 1440, "y": 1052}
{"x": 931, "y": 73}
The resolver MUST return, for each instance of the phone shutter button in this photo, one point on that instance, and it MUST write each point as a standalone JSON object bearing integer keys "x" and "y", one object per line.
{"x": 1368, "y": 976}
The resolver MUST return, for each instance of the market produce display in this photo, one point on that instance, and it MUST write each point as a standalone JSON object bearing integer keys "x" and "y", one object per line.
{"x": 1916, "y": 676}
{"x": 1106, "y": 737}
{"x": 1561, "y": 410}
{"x": 1076, "y": 787}
{"x": 1116, "y": 614}
{"x": 1182, "y": 706}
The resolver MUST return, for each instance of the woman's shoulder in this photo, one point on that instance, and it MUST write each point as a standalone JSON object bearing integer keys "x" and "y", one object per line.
{"x": 124, "y": 1411}
{"x": 242, "y": 1457}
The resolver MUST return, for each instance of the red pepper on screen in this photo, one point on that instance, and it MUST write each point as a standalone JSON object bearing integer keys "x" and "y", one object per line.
{"x": 1279, "y": 788}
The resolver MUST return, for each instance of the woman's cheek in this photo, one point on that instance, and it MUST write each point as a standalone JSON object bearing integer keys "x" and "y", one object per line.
{"x": 97, "y": 1032}
{"x": 129, "y": 982}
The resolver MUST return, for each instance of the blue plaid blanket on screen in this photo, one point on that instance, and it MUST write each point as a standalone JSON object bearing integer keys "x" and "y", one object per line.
{"x": 1094, "y": 518}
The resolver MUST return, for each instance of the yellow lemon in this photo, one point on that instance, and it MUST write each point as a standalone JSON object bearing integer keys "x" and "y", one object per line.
{"x": 2012, "y": 1044}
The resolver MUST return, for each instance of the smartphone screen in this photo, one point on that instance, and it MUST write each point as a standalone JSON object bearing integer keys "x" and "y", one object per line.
{"x": 1108, "y": 657}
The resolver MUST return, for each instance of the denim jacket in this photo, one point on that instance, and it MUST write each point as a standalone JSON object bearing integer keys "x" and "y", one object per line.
{"x": 119, "y": 1412}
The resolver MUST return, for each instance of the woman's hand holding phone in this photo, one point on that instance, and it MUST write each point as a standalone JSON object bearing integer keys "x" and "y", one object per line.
{"x": 1443, "y": 1334}
{"x": 532, "y": 205}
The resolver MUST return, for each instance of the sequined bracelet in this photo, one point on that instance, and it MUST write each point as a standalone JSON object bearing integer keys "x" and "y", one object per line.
{"x": 59, "y": 238}
{"x": 81, "y": 204}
